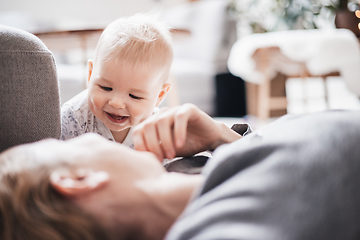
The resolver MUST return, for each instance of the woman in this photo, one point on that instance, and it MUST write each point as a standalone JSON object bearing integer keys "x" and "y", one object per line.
{"x": 279, "y": 183}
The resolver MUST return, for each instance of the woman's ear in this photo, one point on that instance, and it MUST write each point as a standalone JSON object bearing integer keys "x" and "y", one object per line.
{"x": 79, "y": 182}
{"x": 165, "y": 89}
{"x": 90, "y": 69}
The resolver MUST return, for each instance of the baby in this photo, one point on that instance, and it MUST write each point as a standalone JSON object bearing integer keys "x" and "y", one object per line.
{"x": 127, "y": 80}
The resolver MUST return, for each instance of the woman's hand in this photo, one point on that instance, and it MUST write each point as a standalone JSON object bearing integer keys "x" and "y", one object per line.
{"x": 180, "y": 131}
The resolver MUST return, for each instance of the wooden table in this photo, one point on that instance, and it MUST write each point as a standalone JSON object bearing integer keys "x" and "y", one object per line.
{"x": 64, "y": 40}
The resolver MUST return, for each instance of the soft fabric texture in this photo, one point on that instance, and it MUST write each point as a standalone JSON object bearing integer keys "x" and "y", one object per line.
{"x": 29, "y": 92}
{"x": 322, "y": 51}
{"x": 77, "y": 119}
{"x": 297, "y": 178}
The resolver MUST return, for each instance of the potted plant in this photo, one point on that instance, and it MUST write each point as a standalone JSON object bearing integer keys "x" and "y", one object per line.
{"x": 275, "y": 15}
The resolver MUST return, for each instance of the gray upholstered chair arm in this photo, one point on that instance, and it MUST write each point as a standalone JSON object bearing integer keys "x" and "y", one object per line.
{"x": 29, "y": 91}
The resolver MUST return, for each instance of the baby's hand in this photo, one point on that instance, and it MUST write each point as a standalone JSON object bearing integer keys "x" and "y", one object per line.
{"x": 180, "y": 131}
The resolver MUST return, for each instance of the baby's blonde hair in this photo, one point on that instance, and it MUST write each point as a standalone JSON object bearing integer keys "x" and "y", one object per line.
{"x": 139, "y": 39}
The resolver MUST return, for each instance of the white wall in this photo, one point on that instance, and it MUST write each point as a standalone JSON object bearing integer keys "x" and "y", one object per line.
{"x": 74, "y": 13}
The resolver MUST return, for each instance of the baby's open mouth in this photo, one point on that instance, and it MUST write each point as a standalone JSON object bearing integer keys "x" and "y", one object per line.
{"x": 116, "y": 118}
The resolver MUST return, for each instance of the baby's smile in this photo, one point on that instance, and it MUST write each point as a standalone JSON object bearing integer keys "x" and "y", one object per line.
{"x": 117, "y": 118}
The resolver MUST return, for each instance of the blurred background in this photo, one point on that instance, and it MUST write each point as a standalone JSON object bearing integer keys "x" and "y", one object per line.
{"x": 204, "y": 33}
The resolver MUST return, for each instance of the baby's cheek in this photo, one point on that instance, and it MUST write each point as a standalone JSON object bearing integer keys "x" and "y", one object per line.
{"x": 148, "y": 114}
{"x": 97, "y": 102}
{"x": 142, "y": 113}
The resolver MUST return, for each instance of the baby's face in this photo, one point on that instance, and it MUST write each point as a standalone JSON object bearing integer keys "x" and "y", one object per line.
{"x": 121, "y": 95}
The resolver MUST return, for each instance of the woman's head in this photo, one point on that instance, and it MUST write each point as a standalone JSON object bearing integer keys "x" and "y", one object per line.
{"x": 30, "y": 208}
{"x": 48, "y": 187}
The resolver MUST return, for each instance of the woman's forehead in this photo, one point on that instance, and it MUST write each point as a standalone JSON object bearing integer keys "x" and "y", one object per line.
{"x": 94, "y": 144}
{"x": 79, "y": 146}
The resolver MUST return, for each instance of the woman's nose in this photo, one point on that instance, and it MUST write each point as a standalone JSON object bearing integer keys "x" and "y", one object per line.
{"x": 117, "y": 102}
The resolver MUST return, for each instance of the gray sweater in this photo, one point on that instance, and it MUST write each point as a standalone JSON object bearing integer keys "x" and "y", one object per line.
{"x": 297, "y": 178}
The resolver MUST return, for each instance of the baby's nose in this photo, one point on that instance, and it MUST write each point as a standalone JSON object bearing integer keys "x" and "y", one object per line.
{"x": 117, "y": 102}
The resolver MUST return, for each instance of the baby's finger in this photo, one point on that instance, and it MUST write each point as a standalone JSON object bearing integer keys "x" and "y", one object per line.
{"x": 139, "y": 131}
{"x": 180, "y": 126}
{"x": 138, "y": 139}
{"x": 164, "y": 128}
{"x": 152, "y": 140}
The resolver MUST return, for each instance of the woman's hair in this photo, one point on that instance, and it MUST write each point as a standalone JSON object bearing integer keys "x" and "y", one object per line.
{"x": 139, "y": 39}
{"x": 31, "y": 209}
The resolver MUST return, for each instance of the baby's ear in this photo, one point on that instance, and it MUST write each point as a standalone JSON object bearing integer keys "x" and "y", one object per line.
{"x": 90, "y": 69}
{"x": 165, "y": 89}
{"x": 78, "y": 182}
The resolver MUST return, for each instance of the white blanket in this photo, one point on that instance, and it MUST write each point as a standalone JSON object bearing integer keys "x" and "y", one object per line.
{"x": 322, "y": 52}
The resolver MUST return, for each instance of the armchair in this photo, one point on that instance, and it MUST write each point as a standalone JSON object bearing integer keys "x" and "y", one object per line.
{"x": 29, "y": 92}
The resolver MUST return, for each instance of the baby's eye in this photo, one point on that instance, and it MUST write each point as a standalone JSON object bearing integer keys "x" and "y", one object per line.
{"x": 135, "y": 97}
{"x": 107, "y": 89}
